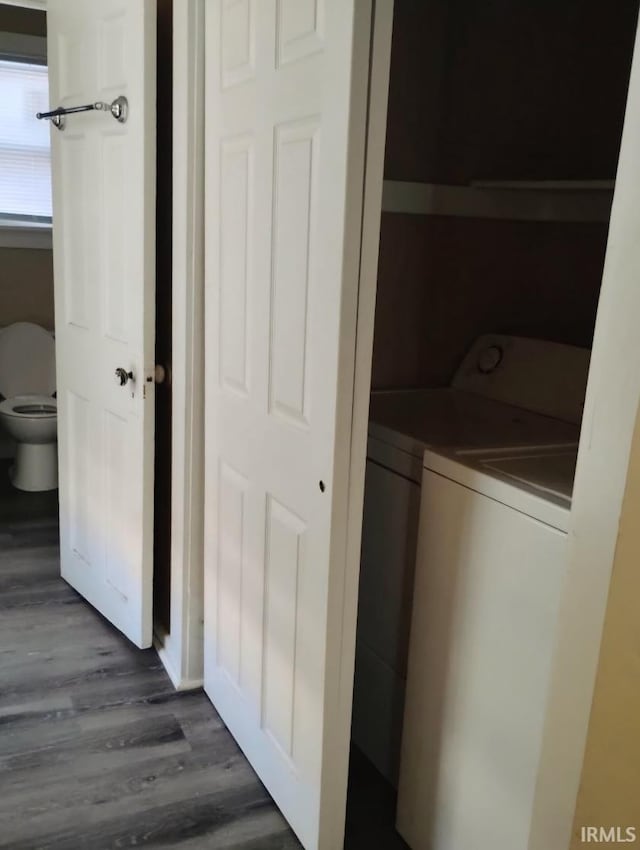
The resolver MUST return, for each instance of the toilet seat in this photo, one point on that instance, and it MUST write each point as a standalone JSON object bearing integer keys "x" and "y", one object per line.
{"x": 30, "y": 407}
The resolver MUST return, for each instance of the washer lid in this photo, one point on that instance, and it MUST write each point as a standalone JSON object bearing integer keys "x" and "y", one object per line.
{"x": 413, "y": 420}
{"x": 27, "y": 361}
{"x": 537, "y": 481}
{"x": 551, "y": 474}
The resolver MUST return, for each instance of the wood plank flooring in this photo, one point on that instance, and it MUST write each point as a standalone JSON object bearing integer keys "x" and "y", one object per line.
{"x": 97, "y": 750}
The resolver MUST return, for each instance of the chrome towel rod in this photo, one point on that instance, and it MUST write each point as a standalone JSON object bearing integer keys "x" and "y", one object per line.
{"x": 119, "y": 108}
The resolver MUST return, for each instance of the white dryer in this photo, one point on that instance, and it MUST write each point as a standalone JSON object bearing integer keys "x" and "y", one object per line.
{"x": 507, "y": 392}
{"x": 490, "y": 568}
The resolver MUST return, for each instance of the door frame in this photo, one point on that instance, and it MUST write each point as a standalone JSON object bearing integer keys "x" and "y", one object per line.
{"x": 612, "y": 408}
{"x": 181, "y": 651}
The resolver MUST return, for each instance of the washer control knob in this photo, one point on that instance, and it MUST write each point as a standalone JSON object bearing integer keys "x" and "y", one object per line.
{"x": 489, "y": 359}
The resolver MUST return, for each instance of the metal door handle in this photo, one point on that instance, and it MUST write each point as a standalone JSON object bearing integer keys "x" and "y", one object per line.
{"x": 123, "y": 376}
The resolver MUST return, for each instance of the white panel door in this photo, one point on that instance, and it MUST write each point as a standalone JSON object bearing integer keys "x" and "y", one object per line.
{"x": 286, "y": 94}
{"x": 104, "y": 238}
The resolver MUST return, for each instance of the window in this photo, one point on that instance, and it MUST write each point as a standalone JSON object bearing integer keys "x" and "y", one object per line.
{"x": 25, "y": 157}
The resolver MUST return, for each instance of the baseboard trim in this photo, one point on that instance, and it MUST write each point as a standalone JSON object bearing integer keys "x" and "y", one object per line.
{"x": 179, "y": 683}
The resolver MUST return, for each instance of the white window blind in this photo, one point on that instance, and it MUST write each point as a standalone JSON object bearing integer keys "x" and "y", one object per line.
{"x": 25, "y": 158}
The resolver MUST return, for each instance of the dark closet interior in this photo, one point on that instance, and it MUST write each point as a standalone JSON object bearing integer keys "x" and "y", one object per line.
{"x": 518, "y": 98}
{"x": 495, "y": 91}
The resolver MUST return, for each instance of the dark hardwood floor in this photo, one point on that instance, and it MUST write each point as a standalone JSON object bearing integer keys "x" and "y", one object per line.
{"x": 97, "y": 750}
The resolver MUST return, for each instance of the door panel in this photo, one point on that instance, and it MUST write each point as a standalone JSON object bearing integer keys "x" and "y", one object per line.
{"x": 104, "y": 226}
{"x": 284, "y": 181}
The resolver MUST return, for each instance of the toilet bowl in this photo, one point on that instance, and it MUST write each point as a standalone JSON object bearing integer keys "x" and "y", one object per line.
{"x": 29, "y": 410}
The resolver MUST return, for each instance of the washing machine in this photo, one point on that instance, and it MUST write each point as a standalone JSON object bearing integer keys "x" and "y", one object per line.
{"x": 489, "y": 574}
{"x": 507, "y": 392}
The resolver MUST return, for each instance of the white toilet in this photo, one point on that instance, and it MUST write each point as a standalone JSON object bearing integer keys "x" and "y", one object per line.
{"x": 29, "y": 411}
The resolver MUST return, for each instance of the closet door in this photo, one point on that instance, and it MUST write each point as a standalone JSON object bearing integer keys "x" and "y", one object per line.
{"x": 286, "y": 94}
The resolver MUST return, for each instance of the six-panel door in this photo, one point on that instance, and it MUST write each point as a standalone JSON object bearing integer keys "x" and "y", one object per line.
{"x": 284, "y": 168}
{"x": 103, "y": 233}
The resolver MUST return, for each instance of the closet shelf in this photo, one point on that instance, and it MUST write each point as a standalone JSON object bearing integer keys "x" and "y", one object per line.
{"x": 552, "y": 200}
